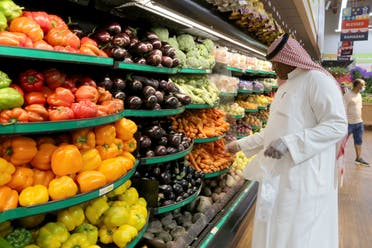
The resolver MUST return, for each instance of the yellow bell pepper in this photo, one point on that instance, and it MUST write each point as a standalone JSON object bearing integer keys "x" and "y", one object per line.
{"x": 105, "y": 134}
{"x": 76, "y": 240}
{"x": 113, "y": 168}
{"x": 91, "y": 159}
{"x": 95, "y": 210}
{"x": 90, "y": 231}
{"x": 125, "y": 129}
{"x": 130, "y": 145}
{"x": 43, "y": 156}
{"x": 66, "y": 160}
{"x": 139, "y": 209}
{"x": 71, "y": 217}
{"x": 19, "y": 150}
{"x": 105, "y": 234}
{"x": 84, "y": 138}
{"x": 52, "y": 235}
{"x": 107, "y": 151}
{"x": 120, "y": 190}
{"x": 124, "y": 234}
{"x": 130, "y": 196}
{"x": 62, "y": 187}
{"x": 6, "y": 171}
{"x": 33, "y": 195}
{"x": 32, "y": 246}
{"x": 142, "y": 202}
{"x": 136, "y": 220}
{"x": 116, "y": 216}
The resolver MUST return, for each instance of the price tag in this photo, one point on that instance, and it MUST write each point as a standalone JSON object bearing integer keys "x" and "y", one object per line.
{"x": 106, "y": 189}
{"x": 214, "y": 230}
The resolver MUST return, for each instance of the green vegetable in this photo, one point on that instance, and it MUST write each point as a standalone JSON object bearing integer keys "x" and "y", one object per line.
{"x": 203, "y": 51}
{"x": 52, "y": 235}
{"x": 4, "y": 243}
{"x": 10, "y": 9}
{"x": 5, "y": 81}
{"x": 185, "y": 42}
{"x": 208, "y": 44}
{"x": 19, "y": 238}
{"x": 173, "y": 42}
{"x": 90, "y": 231}
{"x": 10, "y": 98}
{"x": 3, "y": 22}
{"x": 181, "y": 57}
{"x": 161, "y": 32}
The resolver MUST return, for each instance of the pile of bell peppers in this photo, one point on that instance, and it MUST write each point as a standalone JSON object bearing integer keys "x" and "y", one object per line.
{"x": 34, "y": 171}
{"x": 115, "y": 218}
{"x": 53, "y": 95}
{"x": 40, "y": 30}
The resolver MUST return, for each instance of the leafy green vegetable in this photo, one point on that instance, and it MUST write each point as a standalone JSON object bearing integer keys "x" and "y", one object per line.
{"x": 185, "y": 42}
{"x": 208, "y": 44}
{"x": 161, "y": 32}
{"x": 173, "y": 42}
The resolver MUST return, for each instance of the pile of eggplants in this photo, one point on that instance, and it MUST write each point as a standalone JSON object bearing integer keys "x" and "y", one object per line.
{"x": 140, "y": 92}
{"x": 135, "y": 46}
{"x": 177, "y": 180}
{"x": 158, "y": 139}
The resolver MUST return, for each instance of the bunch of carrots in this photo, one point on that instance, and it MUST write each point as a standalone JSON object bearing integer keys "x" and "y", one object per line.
{"x": 203, "y": 123}
{"x": 210, "y": 157}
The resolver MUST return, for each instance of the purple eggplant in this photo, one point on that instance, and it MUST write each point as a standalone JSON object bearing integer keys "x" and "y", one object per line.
{"x": 157, "y": 106}
{"x": 120, "y": 95}
{"x": 128, "y": 60}
{"x": 136, "y": 86}
{"x": 180, "y": 148}
{"x": 174, "y": 139}
{"x": 150, "y": 153}
{"x": 106, "y": 83}
{"x": 140, "y": 60}
{"x": 145, "y": 142}
{"x": 163, "y": 85}
{"x": 151, "y": 35}
{"x": 183, "y": 98}
{"x": 133, "y": 41}
{"x": 140, "y": 48}
{"x": 168, "y": 50}
{"x": 167, "y": 61}
{"x": 134, "y": 102}
{"x": 171, "y": 102}
{"x": 155, "y": 132}
{"x": 163, "y": 141}
{"x": 113, "y": 28}
{"x": 157, "y": 52}
{"x": 171, "y": 87}
{"x": 153, "y": 59}
{"x": 148, "y": 91}
{"x": 176, "y": 62}
{"x": 150, "y": 102}
{"x": 156, "y": 43}
{"x": 102, "y": 37}
{"x": 160, "y": 151}
{"x": 159, "y": 96}
{"x": 119, "y": 83}
{"x": 149, "y": 46}
{"x": 130, "y": 31}
{"x": 171, "y": 150}
{"x": 77, "y": 30}
{"x": 119, "y": 53}
{"x": 121, "y": 40}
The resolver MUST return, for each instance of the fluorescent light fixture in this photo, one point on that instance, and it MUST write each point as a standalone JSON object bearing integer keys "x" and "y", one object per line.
{"x": 343, "y": 5}
{"x": 185, "y": 21}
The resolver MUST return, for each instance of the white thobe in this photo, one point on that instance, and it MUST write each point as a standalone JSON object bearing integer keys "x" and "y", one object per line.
{"x": 297, "y": 198}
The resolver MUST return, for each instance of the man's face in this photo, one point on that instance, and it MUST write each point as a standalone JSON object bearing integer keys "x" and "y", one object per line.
{"x": 281, "y": 69}
{"x": 361, "y": 85}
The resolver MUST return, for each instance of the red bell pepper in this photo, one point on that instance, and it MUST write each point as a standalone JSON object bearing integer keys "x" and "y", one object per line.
{"x": 31, "y": 80}
{"x": 61, "y": 113}
{"x": 61, "y": 97}
{"x": 41, "y": 18}
{"x": 19, "y": 89}
{"x": 54, "y": 78}
{"x": 35, "y": 98}
{"x": 84, "y": 109}
{"x": 86, "y": 92}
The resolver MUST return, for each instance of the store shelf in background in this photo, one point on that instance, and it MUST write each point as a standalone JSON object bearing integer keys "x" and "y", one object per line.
{"x": 36, "y": 54}
{"x": 257, "y": 91}
{"x": 49, "y": 126}
{"x": 193, "y": 71}
{"x": 208, "y": 140}
{"x": 144, "y": 68}
{"x": 251, "y": 110}
{"x": 55, "y": 205}
{"x": 217, "y": 173}
{"x": 201, "y": 106}
{"x": 228, "y": 94}
{"x": 258, "y": 72}
{"x": 152, "y": 113}
{"x": 166, "y": 158}
{"x": 234, "y": 69}
{"x": 245, "y": 91}
{"x": 262, "y": 107}
{"x": 169, "y": 208}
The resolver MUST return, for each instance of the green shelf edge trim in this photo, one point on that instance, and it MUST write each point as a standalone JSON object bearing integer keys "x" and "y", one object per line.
{"x": 251, "y": 110}
{"x": 275, "y": 86}
{"x": 245, "y": 91}
{"x": 47, "y": 126}
{"x": 201, "y": 106}
{"x": 241, "y": 136}
{"x": 228, "y": 94}
{"x": 228, "y": 213}
{"x": 139, "y": 236}
{"x": 54, "y": 55}
{"x": 194, "y": 71}
{"x": 262, "y": 108}
{"x": 208, "y": 140}
{"x": 258, "y": 91}
{"x": 255, "y": 128}
{"x": 267, "y": 90}
{"x": 260, "y": 72}
{"x": 152, "y": 113}
{"x": 166, "y": 158}
{"x": 162, "y": 210}
{"x": 147, "y": 68}
{"x": 234, "y": 69}
{"x": 60, "y": 204}
{"x": 217, "y": 173}
{"x": 235, "y": 116}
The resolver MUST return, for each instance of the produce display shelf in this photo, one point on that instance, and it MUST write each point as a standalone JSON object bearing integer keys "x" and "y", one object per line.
{"x": 169, "y": 208}
{"x": 236, "y": 116}
{"x": 135, "y": 241}
{"x": 245, "y": 91}
{"x": 275, "y": 86}
{"x": 208, "y": 140}
{"x": 255, "y": 128}
{"x": 267, "y": 90}
{"x": 48, "y": 126}
{"x": 201, "y": 106}
{"x": 258, "y": 91}
{"x": 234, "y": 69}
{"x": 166, "y": 158}
{"x": 262, "y": 107}
{"x": 144, "y": 68}
{"x": 194, "y": 71}
{"x": 241, "y": 136}
{"x": 251, "y": 110}
{"x": 59, "y": 204}
{"x": 37, "y": 54}
{"x": 258, "y": 72}
{"x": 217, "y": 173}
{"x": 152, "y": 113}
{"x": 228, "y": 94}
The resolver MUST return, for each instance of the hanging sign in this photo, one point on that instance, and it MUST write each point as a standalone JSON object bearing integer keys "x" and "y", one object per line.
{"x": 355, "y": 21}
{"x": 345, "y": 48}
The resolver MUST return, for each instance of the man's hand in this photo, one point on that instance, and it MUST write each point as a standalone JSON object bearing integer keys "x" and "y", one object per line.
{"x": 276, "y": 149}
{"x": 233, "y": 147}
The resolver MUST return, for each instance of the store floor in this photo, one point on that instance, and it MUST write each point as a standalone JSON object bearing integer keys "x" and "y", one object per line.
{"x": 355, "y": 204}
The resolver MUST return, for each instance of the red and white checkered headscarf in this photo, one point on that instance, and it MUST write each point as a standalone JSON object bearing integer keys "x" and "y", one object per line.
{"x": 295, "y": 55}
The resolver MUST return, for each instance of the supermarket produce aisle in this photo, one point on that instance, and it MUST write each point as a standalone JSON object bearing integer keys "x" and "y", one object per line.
{"x": 355, "y": 204}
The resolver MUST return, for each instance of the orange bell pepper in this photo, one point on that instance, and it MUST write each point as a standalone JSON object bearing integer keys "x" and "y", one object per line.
{"x": 125, "y": 129}
{"x": 120, "y": 144}
{"x": 66, "y": 160}
{"x": 91, "y": 160}
{"x": 8, "y": 198}
{"x": 19, "y": 150}
{"x": 84, "y": 139}
{"x": 107, "y": 151}
{"x": 113, "y": 168}
{"x": 22, "y": 178}
{"x": 37, "y": 113}
{"x": 6, "y": 171}
{"x": 130, "y": 145}
{"x": 61, "y": 36}
{"x": 43, "y": 156}
{"x": 90, "y": 180}
{"x": 15, "y": 39}
{"x": 62, "y": 187}
{"x": 129, "y": 156}
{"x": 43, "y": 177}
{"x": 27, "y": 26}
{"x": 105, "y": 134}
{"x": 33, "y": 195}
{"x": 14, "y": 115}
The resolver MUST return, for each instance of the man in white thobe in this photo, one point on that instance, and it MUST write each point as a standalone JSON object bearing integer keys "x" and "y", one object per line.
{"x": 296, "y": 155}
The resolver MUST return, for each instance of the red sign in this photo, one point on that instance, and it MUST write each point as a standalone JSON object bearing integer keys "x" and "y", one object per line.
{"x": 358, "y": 24}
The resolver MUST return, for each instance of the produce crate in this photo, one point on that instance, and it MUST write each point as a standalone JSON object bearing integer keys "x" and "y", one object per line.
{"x": 367, "y": 114}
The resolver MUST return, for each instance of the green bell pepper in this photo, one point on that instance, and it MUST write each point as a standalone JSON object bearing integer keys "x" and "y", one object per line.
{"x": 10, "y": 9}
{"x": 5, "y": 81}
{"x": 3, "y": 23}
{"x": 77, "y": 240}
{"x": 71, "y": 217}
{"x": 52, "y": 235}
{"x": 4, "y": 243}
{"x": 19, "y": 238}
{"x": 10, "y": 98}
{"x": 88, "y": 230}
